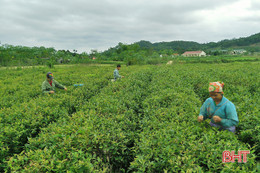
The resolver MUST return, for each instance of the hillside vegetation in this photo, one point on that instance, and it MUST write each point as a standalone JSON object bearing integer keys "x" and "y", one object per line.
{"x": 142, "y": 52}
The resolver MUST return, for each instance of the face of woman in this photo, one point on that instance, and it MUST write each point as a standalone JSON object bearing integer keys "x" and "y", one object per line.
{"x": 215, "y": 96}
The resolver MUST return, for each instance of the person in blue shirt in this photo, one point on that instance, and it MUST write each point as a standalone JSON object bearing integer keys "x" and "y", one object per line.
{"x": 219, "y": 109}
{"x": 116, "y": 72}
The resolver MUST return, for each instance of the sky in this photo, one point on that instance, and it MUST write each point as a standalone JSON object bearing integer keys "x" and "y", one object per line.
{"x": 86, "y": 25}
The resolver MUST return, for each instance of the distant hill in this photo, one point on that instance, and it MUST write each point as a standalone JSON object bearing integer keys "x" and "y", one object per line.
{"x": 251, "y": 43}
{"x": 170, "y": 45}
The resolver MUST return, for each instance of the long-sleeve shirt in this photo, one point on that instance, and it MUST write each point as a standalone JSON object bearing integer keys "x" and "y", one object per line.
{"x": 116, "y": 74}
{"x": 46, "y": 87}
{"x": 226, "y": 110}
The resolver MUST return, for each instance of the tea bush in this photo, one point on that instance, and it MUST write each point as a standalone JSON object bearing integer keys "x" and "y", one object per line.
{"x": 146, "y": 122}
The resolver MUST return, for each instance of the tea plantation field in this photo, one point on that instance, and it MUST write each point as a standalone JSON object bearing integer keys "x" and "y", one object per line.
{"x": 146, "y": 122}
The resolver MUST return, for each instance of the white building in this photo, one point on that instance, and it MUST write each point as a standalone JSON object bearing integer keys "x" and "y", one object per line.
{"x": 238, "y": 51}
{"x": 194, "y": 53}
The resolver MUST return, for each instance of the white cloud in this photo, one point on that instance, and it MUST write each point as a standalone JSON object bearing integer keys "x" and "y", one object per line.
{"x": 84, "y": 25}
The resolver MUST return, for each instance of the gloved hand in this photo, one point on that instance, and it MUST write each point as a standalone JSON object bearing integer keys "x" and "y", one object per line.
{"x": 217, "y": 119}
{"x": 200, "y": 118}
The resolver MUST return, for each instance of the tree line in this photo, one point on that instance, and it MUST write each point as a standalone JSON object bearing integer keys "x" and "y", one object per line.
{"x": 142, "y": 52}
{"x": 22, "y": 55}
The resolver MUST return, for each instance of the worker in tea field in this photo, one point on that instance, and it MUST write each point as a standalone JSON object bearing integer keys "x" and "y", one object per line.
{"x": 219, "y": 109}
{"x": 48, "y": 86}
{"x": 116, "y": 72}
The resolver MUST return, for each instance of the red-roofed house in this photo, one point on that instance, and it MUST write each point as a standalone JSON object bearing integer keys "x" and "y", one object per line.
{"x": 194, "y": 53}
